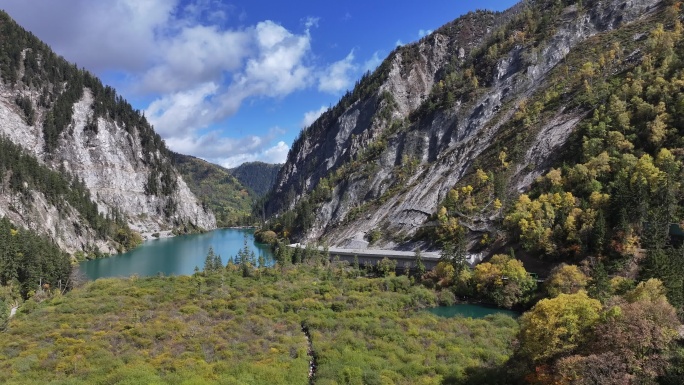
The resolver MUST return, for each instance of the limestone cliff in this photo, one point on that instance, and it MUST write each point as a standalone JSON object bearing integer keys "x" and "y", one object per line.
{"x": 70, "y": 122}
{"x": 390, "y": 151}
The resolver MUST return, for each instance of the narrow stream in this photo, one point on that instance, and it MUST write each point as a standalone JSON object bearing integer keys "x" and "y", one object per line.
{"x": 310, "y": 352}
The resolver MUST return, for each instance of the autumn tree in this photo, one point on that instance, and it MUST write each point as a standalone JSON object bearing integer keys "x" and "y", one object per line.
{"x": 565, "y": 279}
{"x": 503, "y": 280}
{"x": 557, "y": 326}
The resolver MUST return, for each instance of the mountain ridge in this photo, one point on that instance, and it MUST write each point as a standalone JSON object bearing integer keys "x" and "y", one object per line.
{"x": 68, "y": 120}
{"x": 415, "y": 127}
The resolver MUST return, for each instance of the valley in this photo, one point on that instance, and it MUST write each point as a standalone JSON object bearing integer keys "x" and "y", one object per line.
{"x": 498, "y": 202}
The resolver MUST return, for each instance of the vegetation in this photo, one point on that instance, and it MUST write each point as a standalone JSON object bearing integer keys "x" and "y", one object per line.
{"x": 29, "y": 264}
{"x": 258, "y": 177}
{"x": 23, "y": 175}
{"x": 29, "y": 66}
{"x": 222, "y": 326}
{"x": 229, "y": 200}
{"x": 574, "y": 339}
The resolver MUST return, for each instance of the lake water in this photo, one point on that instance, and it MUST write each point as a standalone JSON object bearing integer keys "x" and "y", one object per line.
{"x": 176, "y": 255}
{"x": 468, "y": 310}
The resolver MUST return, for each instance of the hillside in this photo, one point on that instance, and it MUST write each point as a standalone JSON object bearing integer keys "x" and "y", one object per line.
{"x": 108, "y": 167}
{"x": 508, "y": 94}
{"x": 259, "y": 177}
{"x": 218, "y": 189}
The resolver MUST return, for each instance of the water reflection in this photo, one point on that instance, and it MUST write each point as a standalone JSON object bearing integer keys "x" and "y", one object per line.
{"x": 175, "y": 256}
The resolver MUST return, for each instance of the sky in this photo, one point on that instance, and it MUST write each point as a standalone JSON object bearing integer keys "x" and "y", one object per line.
{"x": 233, "y": 81}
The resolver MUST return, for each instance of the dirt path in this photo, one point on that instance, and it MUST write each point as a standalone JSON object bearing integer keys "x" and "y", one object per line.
{"x": 310, "y": 352}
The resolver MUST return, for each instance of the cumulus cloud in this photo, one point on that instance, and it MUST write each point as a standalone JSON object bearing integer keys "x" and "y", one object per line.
{"x": 338, "y": 76}
{"x": 311, "y": 116}
{"x": 194, "y": 60}
{"x": 275, "y": 154}
{"x": 275, "y": 68}
{"x": 215, "y": 147}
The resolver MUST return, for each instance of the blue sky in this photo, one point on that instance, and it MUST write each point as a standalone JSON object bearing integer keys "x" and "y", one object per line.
{"x": 232, "y": 81}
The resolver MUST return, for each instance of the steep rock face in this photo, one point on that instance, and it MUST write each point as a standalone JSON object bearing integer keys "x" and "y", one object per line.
{"x": 420, "y": 161}
{"x": 110, "y": 162}
{"x": 72, "y": 124}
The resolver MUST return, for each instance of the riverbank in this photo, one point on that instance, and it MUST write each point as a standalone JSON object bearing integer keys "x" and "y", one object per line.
{"x": 150, "y": 235}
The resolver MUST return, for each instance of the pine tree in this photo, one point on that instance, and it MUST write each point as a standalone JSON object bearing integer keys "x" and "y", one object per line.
{"x": 209, "y": 261}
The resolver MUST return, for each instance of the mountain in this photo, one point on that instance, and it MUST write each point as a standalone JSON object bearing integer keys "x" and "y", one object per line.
{"x": 229, "y": 193}
{"x": 257, "y": 176}
{"x": 82, "y": 166}
{"x": 437, "y": 144}
{"x": 218, "y": 189}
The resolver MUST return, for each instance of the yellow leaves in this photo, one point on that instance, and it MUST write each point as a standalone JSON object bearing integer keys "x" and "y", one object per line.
{"x": 557, "y": 326}
{"x": 657, "y": 130}
{"x": 587, "y": 71}
{"x": 599, "y": 165}
{"x": 565, "y": 279}
{"x": 13, "y": 232}
{"x": 442, "y": 214}
{"x": 445, "y": 272}
{"x": 452, "y": 198}
{"x": 497, "y": 204}
{"x": 503, "y": 280}
{"x": 502, "y": 159}
{"x": 481, "y": 176}
{"x": 651, "y": 290}
{"x": 617, "y": 143}
{"x": 646, "y": 173}
{"x": 598, "y": 200}
{"x": 535, "y": 219}
{"x": 555, "y": 177}
{"x": 467, "y": 190}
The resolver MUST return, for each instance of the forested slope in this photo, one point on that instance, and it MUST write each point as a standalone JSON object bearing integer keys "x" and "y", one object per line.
{"x": 218, "y": 189}
{"x": 66, "y": 119}
{"x": 259, "y": 177}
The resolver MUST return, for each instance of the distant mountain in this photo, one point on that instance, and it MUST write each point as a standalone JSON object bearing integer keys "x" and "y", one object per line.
{"x": 78, "y": 164}
{"x": 218, "y": 189}
{"x": 257, "y": 176}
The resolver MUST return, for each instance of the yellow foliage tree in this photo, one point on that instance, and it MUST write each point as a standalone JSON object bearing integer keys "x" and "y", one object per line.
{"x": 557, "y": 326}
{"x": 565, "y": 279}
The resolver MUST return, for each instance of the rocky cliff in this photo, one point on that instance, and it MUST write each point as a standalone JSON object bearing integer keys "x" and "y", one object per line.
{"x": 70, "y": 122}
{"x": 385, "y": 158}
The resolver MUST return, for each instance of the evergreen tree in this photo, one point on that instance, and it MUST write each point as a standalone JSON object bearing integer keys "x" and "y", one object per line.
{"x": 209, "y": 261}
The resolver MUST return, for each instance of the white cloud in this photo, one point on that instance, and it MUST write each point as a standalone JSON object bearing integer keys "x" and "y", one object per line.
{"x": 279, "y": 67}
{"x": 178, "y": 114}
{"x": 194, "y": 60}
{"x": 372, "y": 63}
{"x": 216, "y": 148}
{"x": 399, "y": 43}
{"x": 311, "y": 116}
{"x": 311, "y": 22}
{"x": 338, "y": 76}
{"x": 196, "y": 54}
{"x": 423, "y": 32}
{"x": 275, "y": 154}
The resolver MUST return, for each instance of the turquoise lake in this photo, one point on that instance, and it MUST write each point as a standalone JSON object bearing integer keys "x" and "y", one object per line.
{"x": 471, "y": 311}
{"x": 175, "y": 256}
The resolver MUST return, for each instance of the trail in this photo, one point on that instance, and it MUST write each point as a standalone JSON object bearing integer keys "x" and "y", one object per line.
{"x": 310, "y": 352}
{"x": 13, "y": 310}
